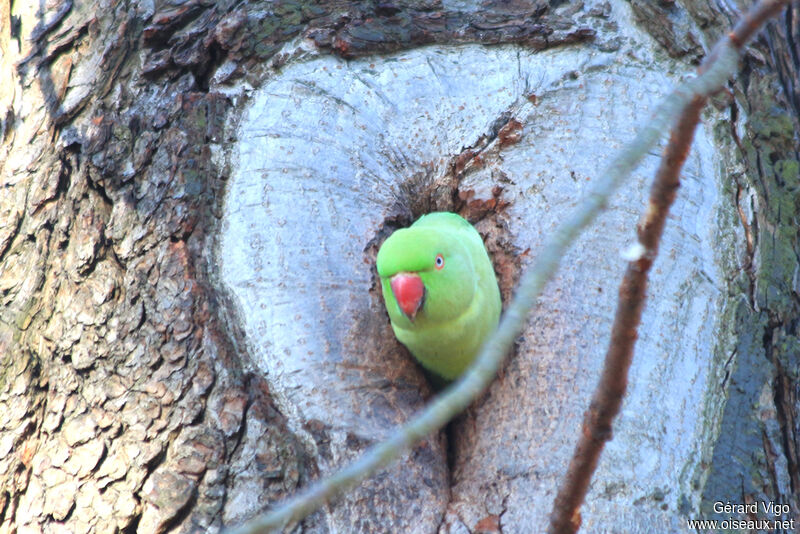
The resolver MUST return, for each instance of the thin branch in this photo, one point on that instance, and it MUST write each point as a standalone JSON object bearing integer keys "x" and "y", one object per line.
{"x": 461, "y": 393}
{"x": 607, "y": 399}
{"x": 565, "y": 517}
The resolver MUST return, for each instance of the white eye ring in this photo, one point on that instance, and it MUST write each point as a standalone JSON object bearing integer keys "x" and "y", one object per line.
{"x": 439, "y": 261}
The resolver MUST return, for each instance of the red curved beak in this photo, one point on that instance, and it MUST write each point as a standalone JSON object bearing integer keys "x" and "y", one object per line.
{"x": 409, "y": 291}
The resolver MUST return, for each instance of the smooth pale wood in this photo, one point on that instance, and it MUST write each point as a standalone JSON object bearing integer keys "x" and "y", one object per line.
{"x": 322, "y": 156}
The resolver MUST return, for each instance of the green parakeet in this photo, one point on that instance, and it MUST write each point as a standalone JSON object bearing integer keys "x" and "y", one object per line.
{"x": 440, "y": 291}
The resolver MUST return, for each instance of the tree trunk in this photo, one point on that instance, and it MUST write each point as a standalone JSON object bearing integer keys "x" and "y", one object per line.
{"x": 192, "y": 199}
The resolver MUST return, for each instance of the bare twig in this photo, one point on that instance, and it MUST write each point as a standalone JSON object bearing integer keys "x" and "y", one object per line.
{"x": 461, "y": 393}
{"x": 607, "y": 399}
{"x": 597, "y": 429}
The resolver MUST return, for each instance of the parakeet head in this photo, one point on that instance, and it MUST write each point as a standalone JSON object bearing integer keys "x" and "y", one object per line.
{"x": 427, "y": 276}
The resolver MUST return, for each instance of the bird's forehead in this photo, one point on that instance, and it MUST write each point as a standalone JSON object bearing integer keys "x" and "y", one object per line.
{"x": 411, "y": 249}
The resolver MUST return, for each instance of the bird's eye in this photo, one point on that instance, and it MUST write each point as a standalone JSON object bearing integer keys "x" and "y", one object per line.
{"x": 439, "y": 261}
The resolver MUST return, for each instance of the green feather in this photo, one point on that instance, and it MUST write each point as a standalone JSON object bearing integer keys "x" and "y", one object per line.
{"x": 462, "y": 301}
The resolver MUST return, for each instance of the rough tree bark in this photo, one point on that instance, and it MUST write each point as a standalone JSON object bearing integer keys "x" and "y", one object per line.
{"x": 192, "y": 197}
